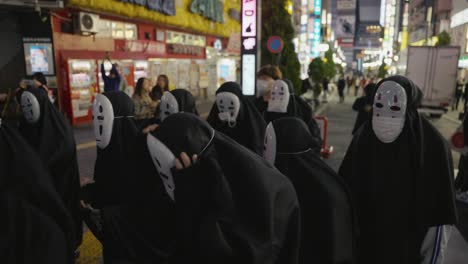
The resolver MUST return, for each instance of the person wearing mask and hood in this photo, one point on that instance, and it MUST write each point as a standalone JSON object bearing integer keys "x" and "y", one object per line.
{"x": 265, "y": 79}
{"x": 235, "y": 116}
{"x": 328, "y": 226}
{"x": 400, "y": 173}
{"x": 363, "y": 105}
{"x": 48, "y": 132}
{"x": 282, "y": 104}
{"x": 35, "y": 225}
{"x": 115, "y": 131}
{"x": 177, "y": 101}
{"x": 206, "y": 213}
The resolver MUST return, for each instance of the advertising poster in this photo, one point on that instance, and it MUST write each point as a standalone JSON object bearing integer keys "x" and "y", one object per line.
{"x": 39, "y": 58}
{"x": 345, "y": 27}
{"x": 172, "y": 74}
{"x": 203, "y": 78}
{"x": 194, "y": 76}
{"x": 184, "y": 75}
{"x": 346, "y": 5}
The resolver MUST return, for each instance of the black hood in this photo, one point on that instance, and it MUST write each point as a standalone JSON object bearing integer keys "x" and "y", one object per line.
{"x": 402, "y": 188}
{"x": 216, "y": 217}
{"x": 250, "y": 126}
{"x": 323, "y": 196}
{"x": 35, "y": 223}
{"x": 185, "y": 100}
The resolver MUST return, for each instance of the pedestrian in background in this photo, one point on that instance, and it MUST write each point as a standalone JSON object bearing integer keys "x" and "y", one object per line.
{"x": 145, "y": 107}
{"x": 162, "y": 85}
{"x": 458, "y": 95}
{"x": 325, "y": 89}
{"x": 341, "y": 86}
{"x": 363, "y": 105}
{"x": 111, "y": 81}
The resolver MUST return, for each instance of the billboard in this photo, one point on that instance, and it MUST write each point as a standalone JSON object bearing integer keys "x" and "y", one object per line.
{"x": 248, "y": 46}
{"x": 345, "y": 27}
{"x": 346, "y": 5}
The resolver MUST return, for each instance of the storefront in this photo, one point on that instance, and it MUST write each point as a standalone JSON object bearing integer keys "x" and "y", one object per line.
{"x": 140, "y": 48}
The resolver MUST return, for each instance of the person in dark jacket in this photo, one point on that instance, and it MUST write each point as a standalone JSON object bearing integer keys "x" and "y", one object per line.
{"x": 363, "y": 105}
{"x": 341, "y": 87}
{"x": 111, "y": 81}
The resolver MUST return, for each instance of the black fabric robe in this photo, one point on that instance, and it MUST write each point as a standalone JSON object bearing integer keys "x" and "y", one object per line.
{"x": 299, "y": 108}
{"x": 328, "y": 225}
{"x": 361, "y": 104}
{"x": 400, "y": 189}
{"x": 250, "y": 126}
{"x": 114, "y": 167}
{"x": 52, "y": 138}
{"x": 185, "y": 100}
{"x": 35, "y": 226}
{"x": 230, "y": 207}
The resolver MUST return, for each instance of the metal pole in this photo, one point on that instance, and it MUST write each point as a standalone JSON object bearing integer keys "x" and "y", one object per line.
{"x": 259, "y": 33}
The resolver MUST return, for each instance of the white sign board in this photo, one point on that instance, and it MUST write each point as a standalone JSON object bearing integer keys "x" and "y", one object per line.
{"x": 248, "y": 46}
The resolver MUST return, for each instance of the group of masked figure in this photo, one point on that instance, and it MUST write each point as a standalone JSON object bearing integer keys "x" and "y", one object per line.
{"x": 247, "y": 185}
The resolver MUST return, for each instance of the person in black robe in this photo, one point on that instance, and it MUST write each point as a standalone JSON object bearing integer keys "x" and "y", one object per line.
{"x": 328, "y": 226}
{"x": 47, "y": 131}
{"x": 175, "y": 101}
{"x": 35, "y": 226}
{"x": 461, "y": 185}
{"x": 235, "y": 116}
{"x": 363, "y": 105}
{"x": 116, "y": 132}
{"x": 212, "y": 208}
{"x": 400, "y": 173}
{"x": 283, "y": 103}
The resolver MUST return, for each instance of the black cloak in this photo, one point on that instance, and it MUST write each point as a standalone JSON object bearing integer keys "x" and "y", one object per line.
{"x": 52, "y": 138}
{"x": 400, "y": 189}
{"x": 114, "y": 167}
{"x": 225, "y": 211}
{"x": 185, "y": 100}
{"x": 328, "y": 228}
{"x": 299, "y": 108}
{"x": 461, "y": 183}
{"x": 250, "y": 126}
{"x": 361, "y": 104}
{"x": 35, "y": 226}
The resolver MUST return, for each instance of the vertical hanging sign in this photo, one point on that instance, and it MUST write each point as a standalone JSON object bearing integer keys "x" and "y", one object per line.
{"x": 249, "y": 46}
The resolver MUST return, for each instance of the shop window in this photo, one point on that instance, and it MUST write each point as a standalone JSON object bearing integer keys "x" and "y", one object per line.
{"x": 117, "y": 30}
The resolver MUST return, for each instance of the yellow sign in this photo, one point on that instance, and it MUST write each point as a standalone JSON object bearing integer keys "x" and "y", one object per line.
{"x": 182, "y": 19}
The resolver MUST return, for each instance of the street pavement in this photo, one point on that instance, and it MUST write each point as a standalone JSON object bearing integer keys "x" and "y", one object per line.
{"x": 341, "y": 121}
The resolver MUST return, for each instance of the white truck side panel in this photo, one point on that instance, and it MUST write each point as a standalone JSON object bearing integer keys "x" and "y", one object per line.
{"x": 434, "y": 70}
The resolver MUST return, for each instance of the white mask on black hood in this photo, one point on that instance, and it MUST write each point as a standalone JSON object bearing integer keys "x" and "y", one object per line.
{"x": 103, "y": 120}
{"x": 164, "y": 161}
{"x": 279, "y": 99}
{"x": 168, "y": 105}
{"x": 31, "y": 107}
{"x": 269, "y": 147}
{"x": 389, "y": 113}
{"x": 228, "y": 107}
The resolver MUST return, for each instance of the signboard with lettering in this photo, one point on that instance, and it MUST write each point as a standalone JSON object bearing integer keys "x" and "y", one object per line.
{"x": 166, "y": 7}
{"x": 185, "y": 50}
{"x": 249, "y": 46}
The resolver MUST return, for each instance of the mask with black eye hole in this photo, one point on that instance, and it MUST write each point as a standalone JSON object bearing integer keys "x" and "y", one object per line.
{"x": 168, "y": 105}
{"x": 279, "y": 99}
{"x": 164, "y": 161}
{"x": 103, "y": 120}
{"x": 30, "y": 106}
{"x": 228, "y": 106}
{"x": 389, "y": 112}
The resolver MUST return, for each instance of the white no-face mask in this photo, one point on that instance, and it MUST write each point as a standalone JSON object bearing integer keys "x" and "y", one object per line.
{"x": 269, "y": 144}
{"x": 168, "y": 105}
{"x": 164, "y": 160}
{"x": 389, "y": 113}
{"x": 31, "y": 107}
{"x": 228, "y": 107}
{"x": 103, "y": 120}
{"x": 279, "y": 99}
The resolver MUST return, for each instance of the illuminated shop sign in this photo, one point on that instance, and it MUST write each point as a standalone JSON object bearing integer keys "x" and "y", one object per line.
{"x": 249, "y": 46}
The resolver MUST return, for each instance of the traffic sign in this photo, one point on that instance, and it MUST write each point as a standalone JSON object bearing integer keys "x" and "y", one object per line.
{"x": 275, "y": 44}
